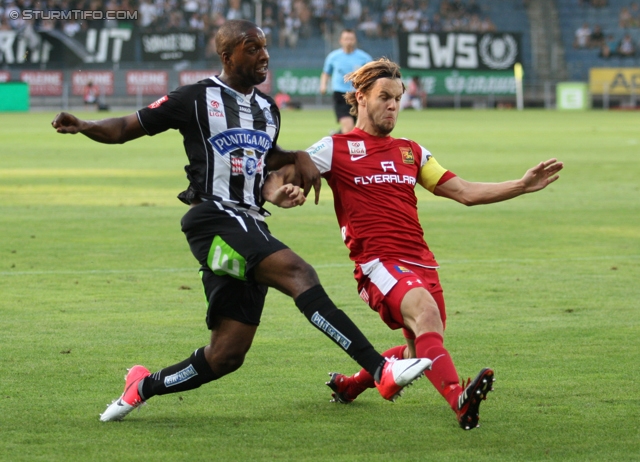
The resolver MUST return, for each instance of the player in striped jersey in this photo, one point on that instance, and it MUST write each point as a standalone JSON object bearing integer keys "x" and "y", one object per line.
{"x": 230, "y": 132}
{"x": 373, "y": 177}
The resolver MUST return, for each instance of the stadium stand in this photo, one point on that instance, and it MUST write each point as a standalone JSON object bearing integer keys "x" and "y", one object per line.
{"x": 573, "y": 14}
{"x": 301, "y": 32}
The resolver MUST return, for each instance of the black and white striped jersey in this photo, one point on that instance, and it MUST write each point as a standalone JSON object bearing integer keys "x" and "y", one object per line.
{"x": 226, "y": 137}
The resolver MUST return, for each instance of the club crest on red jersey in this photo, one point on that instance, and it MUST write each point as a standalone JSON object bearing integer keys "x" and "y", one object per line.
{"x": 407, "y": 155}
{"x": 158, "y": 103}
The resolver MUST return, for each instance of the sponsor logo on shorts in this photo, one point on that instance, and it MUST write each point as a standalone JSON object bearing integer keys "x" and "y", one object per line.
{"x": 407, "y": 155}
{"x": 180, "y": 376}
{"x": 364, "y": 295}
{"x": 326, "y": 327}
{"x": 402, "y": 269}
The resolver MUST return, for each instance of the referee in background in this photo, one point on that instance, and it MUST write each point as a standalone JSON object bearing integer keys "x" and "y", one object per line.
{"x": 337, "y": 64}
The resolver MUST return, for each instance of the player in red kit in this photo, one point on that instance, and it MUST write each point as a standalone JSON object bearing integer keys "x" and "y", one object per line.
{"x": 373, "y": 177}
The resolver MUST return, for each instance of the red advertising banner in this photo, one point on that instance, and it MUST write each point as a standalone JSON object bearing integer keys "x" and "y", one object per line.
{"x": 5, "y": 76}
{"x": 43, "y": 83}
{"x": 147, "y": 82}
{"x": 102, "y": 80}
{"x": 189, "y": 77}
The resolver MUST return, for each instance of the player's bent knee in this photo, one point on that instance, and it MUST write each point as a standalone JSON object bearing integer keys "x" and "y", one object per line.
{"x": 228, "y": 363}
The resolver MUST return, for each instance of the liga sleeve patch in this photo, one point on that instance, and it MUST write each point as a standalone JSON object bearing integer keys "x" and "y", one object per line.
{"x": 430, "y": 174}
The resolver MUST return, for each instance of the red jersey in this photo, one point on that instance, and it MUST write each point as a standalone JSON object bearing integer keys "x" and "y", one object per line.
{"x": 373, "y": 181}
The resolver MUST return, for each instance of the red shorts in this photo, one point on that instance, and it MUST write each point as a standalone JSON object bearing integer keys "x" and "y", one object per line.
{"x": 383, "y": 285}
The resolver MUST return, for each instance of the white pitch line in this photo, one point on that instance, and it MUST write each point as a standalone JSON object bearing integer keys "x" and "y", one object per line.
{"x": 194, "y": 269}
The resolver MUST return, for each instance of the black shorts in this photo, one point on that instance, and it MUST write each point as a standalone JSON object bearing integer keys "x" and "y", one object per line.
{"x": 340, "y": 106}
{"x": 229, "y": 244}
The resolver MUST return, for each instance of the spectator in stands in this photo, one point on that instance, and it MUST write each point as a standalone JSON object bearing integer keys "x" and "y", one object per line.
{"x": 217, "y": 7}
{"x": 445, "y": 9}
{"x": 12, "y": 14}
{"x": 596, "y": 39}
{"x": 353, "y": 13}
{"x": 332, "y": 17}
{"x": 196, "y": 22}
{"x": 634, "y": 9}
{"x": 190, "y": 7}
{"x": 425, "y": 24}
{"x": 176, "y": 21}
{"x": 127, "y": 6}
{"x": 475, "y": 23}
{"x": 625, "y": 20}
{"x": 436, "y": 23}
{"x": 389, "y": 20}
{"x": 234, "y": 11}
{"x": 217, "y": 20}
{"x": 408, "y": 17}
{"x": 71, "y": 27}
{"x": 269, "y": 24}
{"x": 488, "y": 25}
{"x": 147, "y": 13}
{"x": 90, "y": 96}
{"x": 582, "y": 35}
{"x": 368, "y": 25}
{"x": 627, "y": 48}
{"x": 111, "y": 5}
{"x": 317, "y": 15}
{"x": 289, "y": 33}
{"x": 457, "y": 9}
{"x": 473, "y": 8}
{"x": 609, "y": 47}
{"x": 303, "y": 13}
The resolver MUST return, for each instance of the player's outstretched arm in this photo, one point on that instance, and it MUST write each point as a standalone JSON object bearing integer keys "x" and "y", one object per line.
{"x": 473, "y": 193}
{"x": 116, "y": 130}
{"x": 279, "y": 190}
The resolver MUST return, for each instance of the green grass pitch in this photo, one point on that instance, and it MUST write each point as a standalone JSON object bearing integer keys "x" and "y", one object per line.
{"x": 95, "y": 276}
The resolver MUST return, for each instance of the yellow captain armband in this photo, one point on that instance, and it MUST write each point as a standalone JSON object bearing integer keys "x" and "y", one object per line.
{"x": 430, "y": 173}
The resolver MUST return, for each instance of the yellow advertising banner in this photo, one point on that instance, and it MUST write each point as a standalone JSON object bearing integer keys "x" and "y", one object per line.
{"x": 615, "y": 80}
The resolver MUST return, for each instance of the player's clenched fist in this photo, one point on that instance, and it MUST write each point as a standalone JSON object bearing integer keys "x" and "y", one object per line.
{"x": 66, "y": 123}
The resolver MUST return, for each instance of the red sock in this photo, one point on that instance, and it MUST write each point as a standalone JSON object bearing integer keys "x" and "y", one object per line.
{"x": 364, "y": 379}
{"x": 443, "y": 373}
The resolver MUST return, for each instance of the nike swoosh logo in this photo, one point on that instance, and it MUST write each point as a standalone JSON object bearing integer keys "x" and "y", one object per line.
{"x": 410, "y": 366}
{"x": 354, "y": 158}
